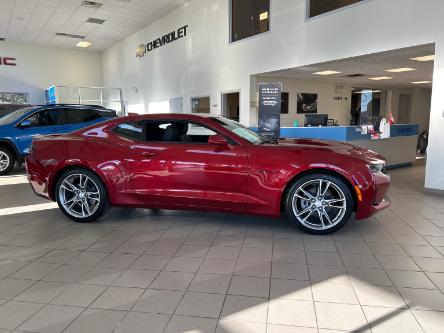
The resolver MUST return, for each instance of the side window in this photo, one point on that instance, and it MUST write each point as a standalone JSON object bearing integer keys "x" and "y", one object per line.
{"x": 32, "y": 121}
{"x": 132, "y": 130}
{"x": 177, "y": 131}
{"x": 43, "y": 118}
{"x": 77, "y": 116}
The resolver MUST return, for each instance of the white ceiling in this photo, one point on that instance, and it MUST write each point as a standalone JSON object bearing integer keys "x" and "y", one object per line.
{"x": 373, "y": 65}
{"x": 37, "y": 21}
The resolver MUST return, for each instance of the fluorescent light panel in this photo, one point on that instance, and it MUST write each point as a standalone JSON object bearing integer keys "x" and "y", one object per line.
{"x": 327, "y": 73}
{"x": 422, "y": 82}
{"x": 84, "y": 44}
{"x": 380, "y": 78}
{"x": 365, "y": 91}
{"x": 424, "y": 58}
{"x": 400, "y": 70}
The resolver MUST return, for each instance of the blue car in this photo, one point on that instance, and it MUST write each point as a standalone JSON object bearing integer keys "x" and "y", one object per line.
{"x": 18, "y": 128}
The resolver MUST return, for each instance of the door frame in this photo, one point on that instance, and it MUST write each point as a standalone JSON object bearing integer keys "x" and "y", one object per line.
{"x": 222, "y": 104}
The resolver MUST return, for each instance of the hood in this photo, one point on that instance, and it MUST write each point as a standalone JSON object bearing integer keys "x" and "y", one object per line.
{"x": 338, "y": 147}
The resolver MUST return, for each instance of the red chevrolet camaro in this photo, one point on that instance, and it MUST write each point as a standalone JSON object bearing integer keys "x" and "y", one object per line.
{"x": 185, "y": 161}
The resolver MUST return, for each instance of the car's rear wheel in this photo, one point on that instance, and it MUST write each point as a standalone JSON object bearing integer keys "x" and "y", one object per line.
{"x": 7, "y": 161}
{"x": 319, "y": 203}
{"x": 81, "y": 195}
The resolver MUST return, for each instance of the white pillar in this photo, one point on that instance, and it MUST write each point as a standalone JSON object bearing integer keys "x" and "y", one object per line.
{"x": 435, "y": 152}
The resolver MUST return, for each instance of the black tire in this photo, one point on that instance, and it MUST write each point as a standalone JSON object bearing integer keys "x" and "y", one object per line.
{"x": 319, "y": 209}
{"x": 103, "y": 205}
{"x": 7, "y": 156}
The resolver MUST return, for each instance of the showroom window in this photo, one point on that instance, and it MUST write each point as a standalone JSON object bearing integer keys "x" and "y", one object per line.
{"x": 13, "y": 98}
{"x": 319, "y": 7}
{"x": 132, "y": 130}
{"x": 200, "y": 105}
{"x": 249, "y": 18}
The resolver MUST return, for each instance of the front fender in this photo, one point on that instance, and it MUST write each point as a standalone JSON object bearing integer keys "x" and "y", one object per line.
{"x": 10, "y": 143}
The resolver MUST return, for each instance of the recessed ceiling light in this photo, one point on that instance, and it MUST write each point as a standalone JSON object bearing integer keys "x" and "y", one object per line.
{"x": 424, "y": 58}
{"x": 380, "y": 78}
{"x": 327, "y": 73}
{"x": 400, "y": 70}
{"x": 84, "y": 44}
{"x": 422, "y": 82}
{"x": 263, "y": 16}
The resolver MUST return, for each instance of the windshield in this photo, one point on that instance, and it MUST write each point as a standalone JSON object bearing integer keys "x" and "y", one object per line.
{"x": 242, "y": 131}
{"x": 10, "y": 118}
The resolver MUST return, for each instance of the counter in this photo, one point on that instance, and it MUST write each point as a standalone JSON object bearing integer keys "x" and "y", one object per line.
{"x": 399, "y": 149}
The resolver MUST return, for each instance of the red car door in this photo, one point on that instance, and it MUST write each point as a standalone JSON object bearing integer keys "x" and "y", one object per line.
{"x": 188, "y": 172}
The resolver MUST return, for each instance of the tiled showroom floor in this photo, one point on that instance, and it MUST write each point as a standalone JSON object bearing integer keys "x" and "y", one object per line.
{"x": 142, "y": 271}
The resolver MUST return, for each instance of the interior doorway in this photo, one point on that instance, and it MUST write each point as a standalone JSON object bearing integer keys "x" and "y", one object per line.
{"x": 176, "y": 105}
{"x": 405, "y": 108}
{"x": 230, "y": 105}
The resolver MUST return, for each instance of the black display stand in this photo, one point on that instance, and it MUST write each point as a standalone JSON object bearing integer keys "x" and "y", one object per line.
{"x": 270, "y": 109}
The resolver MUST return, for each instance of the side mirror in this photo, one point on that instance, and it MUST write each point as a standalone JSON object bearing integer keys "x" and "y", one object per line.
{"x": 218, "y": 140}
{"x": 25, "y": 123}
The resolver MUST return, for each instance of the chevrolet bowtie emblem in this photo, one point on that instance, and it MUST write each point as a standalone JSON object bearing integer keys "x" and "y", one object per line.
{"x": 141, "y": 50}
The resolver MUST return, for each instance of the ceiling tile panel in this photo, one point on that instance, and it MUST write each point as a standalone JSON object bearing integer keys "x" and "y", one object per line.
{"x": 37, "y": 21}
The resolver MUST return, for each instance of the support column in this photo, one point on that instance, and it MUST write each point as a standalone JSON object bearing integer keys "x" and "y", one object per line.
{"x": 435, "y": 153}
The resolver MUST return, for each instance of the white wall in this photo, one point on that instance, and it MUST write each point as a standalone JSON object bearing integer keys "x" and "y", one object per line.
{"x": 435, "y": 152}
{"x": 39, "y": 67}
{"x": 205, "y": 63}
{"x": 338, "y": 110}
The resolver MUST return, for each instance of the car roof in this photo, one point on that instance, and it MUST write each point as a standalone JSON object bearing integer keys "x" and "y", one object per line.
{"x": 79, "y": 106}
{"x": 179, "y": 116}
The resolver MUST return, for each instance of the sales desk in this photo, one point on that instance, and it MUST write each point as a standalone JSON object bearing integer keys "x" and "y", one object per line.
{"x": 399, "y": 149}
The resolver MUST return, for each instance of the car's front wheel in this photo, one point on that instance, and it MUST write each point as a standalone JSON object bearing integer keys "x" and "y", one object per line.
{"x": 319, "y": 203}
{"x": 7, "y": 161}
{"x": 81, "y": 195}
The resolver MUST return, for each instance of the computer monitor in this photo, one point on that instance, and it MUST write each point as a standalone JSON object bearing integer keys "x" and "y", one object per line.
{"x": 315, "y": 119}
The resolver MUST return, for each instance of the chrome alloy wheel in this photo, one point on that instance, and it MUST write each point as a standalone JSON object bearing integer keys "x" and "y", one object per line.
{"x": 4, "y": 161}
{"x": 79, "y": 195}
{"x": 319, "y": 204}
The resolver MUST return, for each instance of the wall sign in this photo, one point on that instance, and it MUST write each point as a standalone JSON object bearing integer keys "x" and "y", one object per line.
{"x": 8, "y": 61}
{"x": 161, "y": 41}
{"x": 270, "y": 102}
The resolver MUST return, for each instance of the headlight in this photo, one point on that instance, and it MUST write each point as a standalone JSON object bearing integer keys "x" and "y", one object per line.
{"x": 377, "y": 168}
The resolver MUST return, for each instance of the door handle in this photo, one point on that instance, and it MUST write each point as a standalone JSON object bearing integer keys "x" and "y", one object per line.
{"x": 149, "y": 154}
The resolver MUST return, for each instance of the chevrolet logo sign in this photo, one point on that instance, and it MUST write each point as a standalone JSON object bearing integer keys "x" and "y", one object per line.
{"x": 161, "y": 41}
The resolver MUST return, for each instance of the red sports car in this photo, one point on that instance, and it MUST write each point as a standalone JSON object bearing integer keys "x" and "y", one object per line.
{"x": 187, "y": 161}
